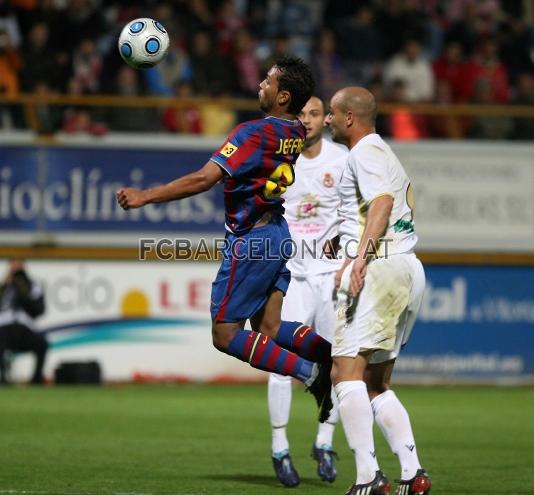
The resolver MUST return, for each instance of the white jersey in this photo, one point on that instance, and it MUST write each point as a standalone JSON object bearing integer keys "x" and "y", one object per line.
{"x": 372, "y": 171}
{"x": 311, "y": 205}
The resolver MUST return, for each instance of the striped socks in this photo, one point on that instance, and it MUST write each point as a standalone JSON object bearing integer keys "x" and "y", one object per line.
{"x": 304, "y": 341}
{"x": 265, "y": 354}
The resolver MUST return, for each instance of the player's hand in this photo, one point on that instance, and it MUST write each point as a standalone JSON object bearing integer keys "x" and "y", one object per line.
{"x": 129, "y": 197}
{"x": 331, "y": 247}
{"x": 357, "y": 276}
{"x": 340, "y": 272}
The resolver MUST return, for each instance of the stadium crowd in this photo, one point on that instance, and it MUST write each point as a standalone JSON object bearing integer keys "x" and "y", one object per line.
{"x": 405, "y": 51}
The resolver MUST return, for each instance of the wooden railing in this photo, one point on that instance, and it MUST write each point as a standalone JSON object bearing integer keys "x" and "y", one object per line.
{"x": 450, "y": 113}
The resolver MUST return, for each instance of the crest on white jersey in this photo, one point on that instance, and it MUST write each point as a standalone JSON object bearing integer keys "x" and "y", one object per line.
{"x": 328, "y": 180}
{"x": 307, "y": 207}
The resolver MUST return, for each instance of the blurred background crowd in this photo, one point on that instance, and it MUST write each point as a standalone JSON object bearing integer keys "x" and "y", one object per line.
{"x": 405, "y": 51}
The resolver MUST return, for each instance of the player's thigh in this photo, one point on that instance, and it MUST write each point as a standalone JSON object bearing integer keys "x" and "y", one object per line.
{"x": 416, "y": 298}
{"x": 268, "y": 319}
{"x": 369, "y": 321}
{"x": 298, "y": 304}
{"x": 324, "y": 304}
{"x": 406, "y": 320}
{"x": 243, "y": 284}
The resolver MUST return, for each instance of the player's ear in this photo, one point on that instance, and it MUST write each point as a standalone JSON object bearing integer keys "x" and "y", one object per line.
{"x": 284, "y": 97}
{"x": 349, "y": 118}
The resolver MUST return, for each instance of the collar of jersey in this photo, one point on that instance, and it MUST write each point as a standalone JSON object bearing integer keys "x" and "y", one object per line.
{"x": 280, "y": 118}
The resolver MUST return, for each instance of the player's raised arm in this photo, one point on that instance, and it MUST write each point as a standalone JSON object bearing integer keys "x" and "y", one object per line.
{"x": 188, "y": 185}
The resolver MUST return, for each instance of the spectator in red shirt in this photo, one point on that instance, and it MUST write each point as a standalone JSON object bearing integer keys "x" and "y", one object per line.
{"x": 186, "y": 119}
{"x": 487, "y": 66}
{"x": 450, "y": 67}
{"x": 227, "y": 23}
{"x": 246, "y": 63}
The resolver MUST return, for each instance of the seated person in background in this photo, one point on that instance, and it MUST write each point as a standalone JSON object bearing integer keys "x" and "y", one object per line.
{"x": 21, "y": 300}
{"x": 186, "y": 119}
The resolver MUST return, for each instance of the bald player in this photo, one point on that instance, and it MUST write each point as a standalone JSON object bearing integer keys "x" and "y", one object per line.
{"x": 380, "y": 287}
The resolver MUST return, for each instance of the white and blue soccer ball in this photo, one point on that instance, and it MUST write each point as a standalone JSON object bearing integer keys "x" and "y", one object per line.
{"x": 143, "y": 43}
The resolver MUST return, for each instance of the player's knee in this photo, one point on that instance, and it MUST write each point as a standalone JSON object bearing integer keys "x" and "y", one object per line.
{"x": 218, "y": 341}
{"x": 347, "y": 369}
{"x": 270, "y": 329}
{"x": 376, "y": 390}
{"x": 221, "y": 337}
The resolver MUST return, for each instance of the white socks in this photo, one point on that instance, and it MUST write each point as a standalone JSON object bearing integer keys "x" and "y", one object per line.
{"x": 357, "y": 417}
{"x": 279, "y": 399}
{"x": 394, "y": 422}
{"x": 325, "y": 433}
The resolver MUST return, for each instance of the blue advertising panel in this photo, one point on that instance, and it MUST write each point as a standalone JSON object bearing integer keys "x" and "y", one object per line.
{"x": 76, "y": 191}
{"x": 20, "y": 206}
{"x": 475, "y": 323}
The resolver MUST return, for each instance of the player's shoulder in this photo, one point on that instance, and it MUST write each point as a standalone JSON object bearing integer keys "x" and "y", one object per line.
{"x": 261, "y": 126}
{"x": 249, "y": 126}
{"x": 334, "y": 151}
{"x": 244, "y": 132}
{"x": 368, "y": 146}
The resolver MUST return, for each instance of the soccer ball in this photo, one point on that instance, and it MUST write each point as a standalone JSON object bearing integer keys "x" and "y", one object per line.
{"x": 143, "y": 43}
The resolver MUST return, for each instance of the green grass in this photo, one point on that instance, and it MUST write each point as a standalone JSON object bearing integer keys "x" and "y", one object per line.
{"x": 191, "y": 440}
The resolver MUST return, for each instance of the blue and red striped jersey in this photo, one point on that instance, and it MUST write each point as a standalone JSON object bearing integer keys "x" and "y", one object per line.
{"x": 258, "y": 159}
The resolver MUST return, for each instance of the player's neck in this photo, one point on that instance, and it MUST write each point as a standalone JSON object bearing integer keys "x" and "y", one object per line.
{"x": 280, "y": 113}
{"x": 359, "y": 135}
{"x": 312, "y": 151}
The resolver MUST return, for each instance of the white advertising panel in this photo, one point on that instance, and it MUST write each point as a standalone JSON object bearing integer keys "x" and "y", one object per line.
{"x": 472, "y": 196}
{"x": 139, "y": 320}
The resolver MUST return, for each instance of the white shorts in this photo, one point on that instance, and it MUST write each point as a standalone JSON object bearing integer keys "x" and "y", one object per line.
{"x": 382, "y": 316}
{"x": 311, "y": 301}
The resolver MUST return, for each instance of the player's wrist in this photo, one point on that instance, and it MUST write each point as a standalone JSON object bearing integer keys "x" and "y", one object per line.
{"x": 365, "y": 256}
{"x": 147, "y": 196}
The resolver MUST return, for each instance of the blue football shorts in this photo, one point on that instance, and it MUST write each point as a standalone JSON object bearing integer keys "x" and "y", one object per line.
{"x": 254, "y": 264}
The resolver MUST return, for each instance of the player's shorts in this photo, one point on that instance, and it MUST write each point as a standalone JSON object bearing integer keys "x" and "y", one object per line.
{"x": 254, "y": 265}
{"x": 382, "y": 316}
{"x": 311, "y": 300}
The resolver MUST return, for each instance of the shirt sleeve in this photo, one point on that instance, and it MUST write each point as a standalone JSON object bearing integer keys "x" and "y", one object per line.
{"x": 234, "y": 155}
{"x": 372, "y": 173}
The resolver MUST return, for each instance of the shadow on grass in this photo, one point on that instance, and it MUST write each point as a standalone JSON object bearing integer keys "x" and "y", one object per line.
{"x": 259, "y": 479}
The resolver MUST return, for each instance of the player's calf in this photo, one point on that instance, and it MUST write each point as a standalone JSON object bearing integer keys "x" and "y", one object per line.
{"x": 304, "y": 341}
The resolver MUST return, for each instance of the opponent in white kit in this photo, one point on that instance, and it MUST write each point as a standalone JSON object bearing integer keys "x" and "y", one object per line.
{"x": 311, "y": 205}
{"x": 380, "y": 293}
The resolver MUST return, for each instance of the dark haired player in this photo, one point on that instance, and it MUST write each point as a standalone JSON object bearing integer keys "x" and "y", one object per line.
{"x": 256, "y": 166}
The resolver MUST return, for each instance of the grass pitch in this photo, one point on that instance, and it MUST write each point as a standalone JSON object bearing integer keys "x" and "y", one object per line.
{"x": 192, "y": 440}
